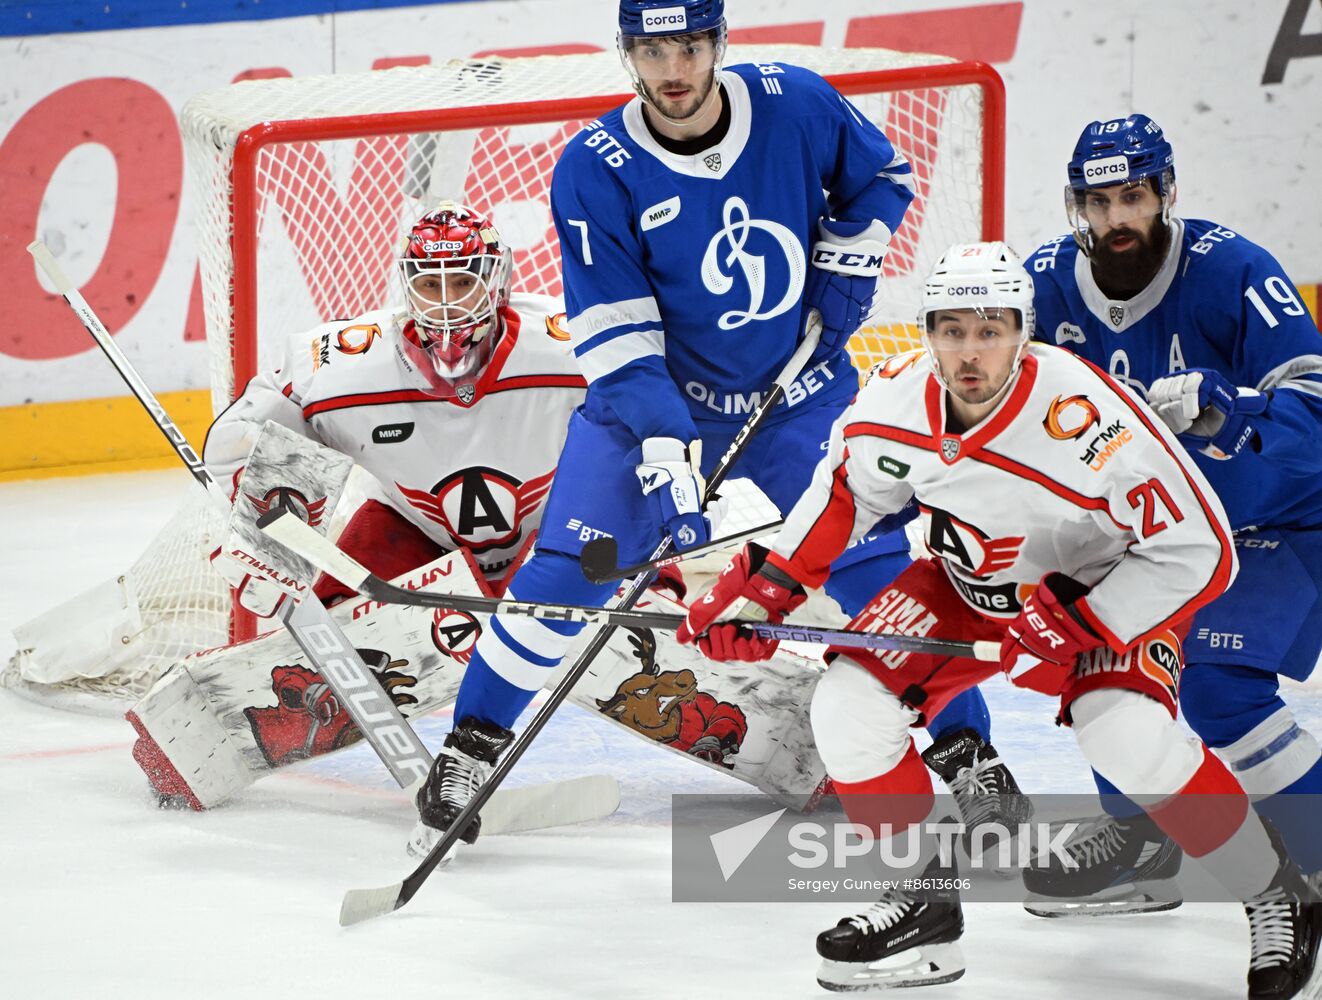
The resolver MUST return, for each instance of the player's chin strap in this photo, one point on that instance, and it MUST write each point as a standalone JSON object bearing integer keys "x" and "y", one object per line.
{"x": 363, "y": 904}
{"x": 312, "y": 627}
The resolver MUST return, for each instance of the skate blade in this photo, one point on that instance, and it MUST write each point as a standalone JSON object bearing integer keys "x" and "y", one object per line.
{"x": 1153, "y": 896}
{"x": 928, "y": 965}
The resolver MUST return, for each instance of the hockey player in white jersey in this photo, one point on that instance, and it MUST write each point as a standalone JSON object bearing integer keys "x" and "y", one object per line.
{"x": 457, "y": 405}
{"x": 699, "y": 224}
{"x": 1210, "y": 327}
{"x": 1064, "y": 521}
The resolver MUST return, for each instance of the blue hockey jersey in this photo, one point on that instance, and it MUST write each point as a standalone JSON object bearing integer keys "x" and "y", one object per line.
{"x": 684, "y": 274}
{"x": 1221, "y": 302}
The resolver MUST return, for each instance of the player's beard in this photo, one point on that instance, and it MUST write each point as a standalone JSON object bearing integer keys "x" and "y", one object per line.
{"x": 683, "y": 110}
{"x": 1122, "y": 274}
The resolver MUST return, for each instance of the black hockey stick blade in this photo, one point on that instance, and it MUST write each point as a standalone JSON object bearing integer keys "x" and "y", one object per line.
{"x": 599, "y": 556}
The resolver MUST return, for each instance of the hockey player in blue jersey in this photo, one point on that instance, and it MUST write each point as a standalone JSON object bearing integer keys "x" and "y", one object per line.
{"x": 698, "y": 224}
{"x": 1208, "y": 326}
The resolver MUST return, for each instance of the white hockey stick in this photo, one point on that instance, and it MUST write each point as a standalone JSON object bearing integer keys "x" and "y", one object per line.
{"x": 287, "y": 528}
{"x": 317, "y": 634}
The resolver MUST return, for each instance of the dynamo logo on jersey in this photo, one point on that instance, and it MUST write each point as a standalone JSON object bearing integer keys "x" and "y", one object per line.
{"x": 726, "y": 250}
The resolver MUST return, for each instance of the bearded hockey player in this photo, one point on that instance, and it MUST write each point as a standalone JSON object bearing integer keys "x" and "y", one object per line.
{"x": 1084, "y": 564}
{"x": 693, "y": 255}
{"x": 1210, "y": 327}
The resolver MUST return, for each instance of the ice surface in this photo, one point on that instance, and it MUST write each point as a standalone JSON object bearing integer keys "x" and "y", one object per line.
{"x": 102, "y": 895}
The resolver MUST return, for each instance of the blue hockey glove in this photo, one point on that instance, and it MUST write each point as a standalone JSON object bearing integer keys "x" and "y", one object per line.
{"x": 846, "y": 263}
{"x": 1208, "y": 412}
{"x": 669, "y": 474}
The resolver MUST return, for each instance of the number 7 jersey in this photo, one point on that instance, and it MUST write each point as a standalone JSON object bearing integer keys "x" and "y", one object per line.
{"x": 1070, "y": 474}
{"x": 1219, "y": 301}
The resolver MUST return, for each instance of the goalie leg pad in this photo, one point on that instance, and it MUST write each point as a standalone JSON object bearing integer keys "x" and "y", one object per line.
{"x": 227, "y": 717}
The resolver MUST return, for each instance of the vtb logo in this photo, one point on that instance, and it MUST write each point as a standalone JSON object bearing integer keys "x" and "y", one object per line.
{"x": 1069, "y": 417}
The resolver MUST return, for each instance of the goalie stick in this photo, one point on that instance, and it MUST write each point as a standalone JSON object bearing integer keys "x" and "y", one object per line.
{"x": 364, "y": 904}
{"x": 291, "y": 531}
{"x": 318, "y": 635}
{"x": 599, "y": 556}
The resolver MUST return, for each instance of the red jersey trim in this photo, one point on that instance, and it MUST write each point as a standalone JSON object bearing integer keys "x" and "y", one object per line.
{"x": 987, "y": 457}
{"x": 1221, "y": 575}
{"x": 989, "y": 428}
{"x": 829, "y": 532}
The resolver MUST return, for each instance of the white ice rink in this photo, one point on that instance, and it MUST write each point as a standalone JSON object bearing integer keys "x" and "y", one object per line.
{"x": 102, "y": 895}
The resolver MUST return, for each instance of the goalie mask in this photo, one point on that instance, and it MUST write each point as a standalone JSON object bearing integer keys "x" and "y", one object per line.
{"x": 456, "y": 273}
{"x": 987, "y": 280}
{"x": 672, "y": 50}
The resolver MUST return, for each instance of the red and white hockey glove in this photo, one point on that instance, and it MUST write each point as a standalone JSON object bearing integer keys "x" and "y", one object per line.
{"x": 749, "y": 589}
{"x": 253, "y": 591}
{"x": 1043, "y": 644}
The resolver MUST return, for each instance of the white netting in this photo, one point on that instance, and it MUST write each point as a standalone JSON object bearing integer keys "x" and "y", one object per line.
{"x": 305, "y": 186}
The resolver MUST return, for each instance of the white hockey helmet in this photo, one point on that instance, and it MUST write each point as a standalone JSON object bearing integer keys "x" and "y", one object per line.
{"x": 987, "y": 278}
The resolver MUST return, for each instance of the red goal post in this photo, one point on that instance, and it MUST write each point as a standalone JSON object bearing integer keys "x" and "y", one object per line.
{"x": 302, "y": 189}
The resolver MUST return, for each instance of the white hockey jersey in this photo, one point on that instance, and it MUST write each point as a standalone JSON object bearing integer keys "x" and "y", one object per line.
{"x": 471, "y": 474}
{"x": 1070, "y": 473}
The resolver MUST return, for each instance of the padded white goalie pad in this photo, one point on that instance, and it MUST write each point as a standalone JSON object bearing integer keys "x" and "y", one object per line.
{"x": 220, "y": 720}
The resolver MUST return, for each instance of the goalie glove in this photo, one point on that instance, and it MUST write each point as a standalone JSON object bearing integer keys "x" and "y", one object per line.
{"x": 846, "y": 263}
{"x": 747, "y": 588}
{"x": 1042, "y": 645}
{"x": 669, "y": 474}
{"x": 1208, "y": 413}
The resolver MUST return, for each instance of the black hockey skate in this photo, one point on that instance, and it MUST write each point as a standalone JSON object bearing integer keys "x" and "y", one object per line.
{"x": 1285, "y": 934}
{"x": 458, "y": 771}
{"x": 1124, "y": 866}
{"x": 907, "y": 938}
{"x": 983, "y": 787}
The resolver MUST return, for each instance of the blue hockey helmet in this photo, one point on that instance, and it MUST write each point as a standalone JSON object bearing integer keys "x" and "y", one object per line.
{"x": 661, "y": 38}
{"x": 671, "y": 17}
{"x": 1120, "y": 150}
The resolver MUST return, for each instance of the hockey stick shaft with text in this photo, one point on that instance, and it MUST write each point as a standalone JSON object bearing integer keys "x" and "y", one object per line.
{"x": 363, "y": 904}
{"x": 293, "y": 533}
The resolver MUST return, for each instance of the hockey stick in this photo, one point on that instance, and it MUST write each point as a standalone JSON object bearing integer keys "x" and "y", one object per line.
{"x": 287, "y": 528}
{"x": 310, "y": 624}
{"x": 599, "y": 555}
{"x": 363, "y": 904}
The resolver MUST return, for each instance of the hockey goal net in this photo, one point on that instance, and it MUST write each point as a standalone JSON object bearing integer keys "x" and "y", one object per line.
{"x": 303, "y": 188}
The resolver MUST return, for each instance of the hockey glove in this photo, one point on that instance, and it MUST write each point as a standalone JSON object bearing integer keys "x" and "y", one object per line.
{"x": 1043, "y": 644}
{"x": 747, "y": 588}
{"x": 669, "y": 474}
{"x": 253, "y": 591}
{"x": 846, "y": 263}
{"x": 1207, "y": 412}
